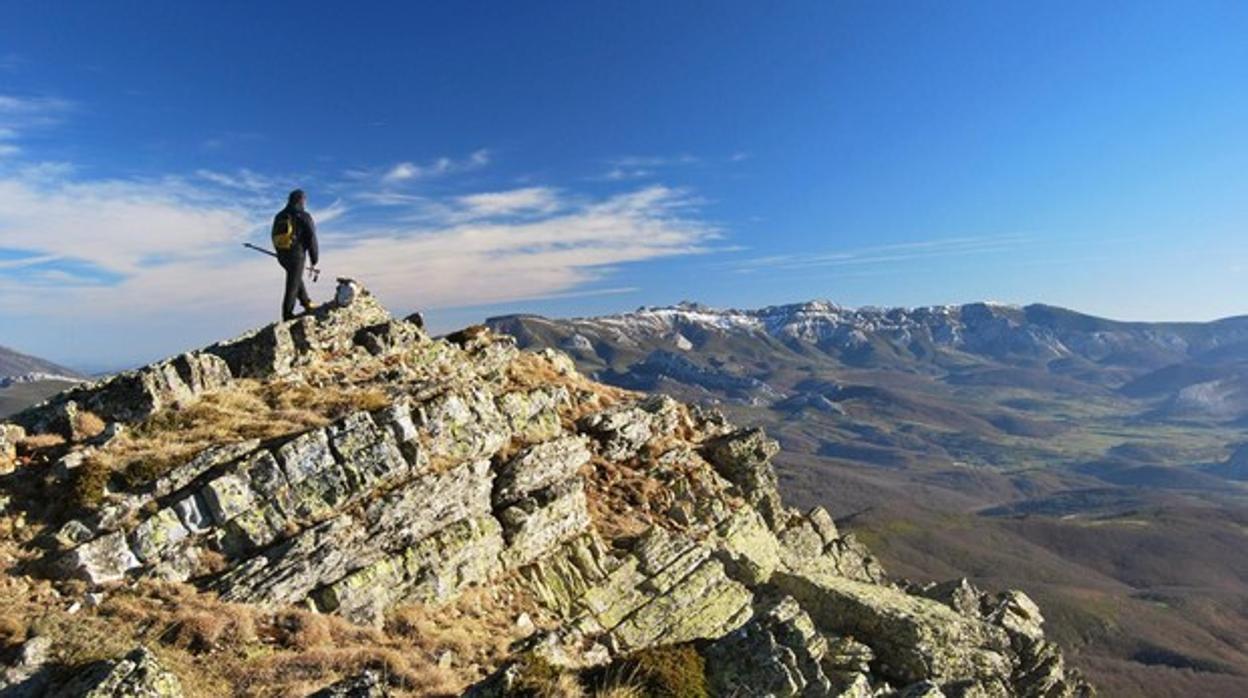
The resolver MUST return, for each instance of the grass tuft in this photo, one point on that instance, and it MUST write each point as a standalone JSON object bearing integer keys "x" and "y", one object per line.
{"x": 87, "y": 425}
{"x": 89, "y": 483}
{"x": 670, "y": 671}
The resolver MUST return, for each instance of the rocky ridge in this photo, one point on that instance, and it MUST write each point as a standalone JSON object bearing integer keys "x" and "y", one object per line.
{"x": 632, "y": 522}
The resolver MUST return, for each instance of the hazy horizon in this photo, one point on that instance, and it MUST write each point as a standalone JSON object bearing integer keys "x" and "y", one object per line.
{"x": 450, "y": 321}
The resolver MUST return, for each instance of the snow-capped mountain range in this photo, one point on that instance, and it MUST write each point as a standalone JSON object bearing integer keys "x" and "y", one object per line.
{"x": 1033, "y": 332}
{"x": 758, "y": 357}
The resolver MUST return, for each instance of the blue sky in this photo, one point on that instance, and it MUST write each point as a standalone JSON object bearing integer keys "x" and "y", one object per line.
{"x": 475, "y": 158}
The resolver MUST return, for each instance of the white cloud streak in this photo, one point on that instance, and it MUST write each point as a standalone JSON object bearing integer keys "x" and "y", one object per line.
{"x": 572, "y": 244}
{"x": 652, "y": 161}
{"x": 498, "y": 203}
{"x": 244, "y": 179}
{"x": 634, "y": 167}
{"x": 114, "y": 225}
{"x": 12, "y": 105}
{"x": 408, "y": 171}
{"x": 20, "y": 114}
{"x": 883, "y": 254}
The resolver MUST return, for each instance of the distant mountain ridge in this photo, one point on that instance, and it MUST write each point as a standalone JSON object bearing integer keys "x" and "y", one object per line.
{"x": 1195, "y": 369}
{"x": 15, "y": 363}
{"x": 26, "y": 380}
{"x": 1034, "y": 331}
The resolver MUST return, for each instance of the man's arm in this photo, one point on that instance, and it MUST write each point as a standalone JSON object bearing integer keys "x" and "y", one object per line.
{"x": 314, "y": 253}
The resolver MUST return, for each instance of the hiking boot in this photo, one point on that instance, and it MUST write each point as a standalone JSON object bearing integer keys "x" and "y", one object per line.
{"x": 310, "y": 306}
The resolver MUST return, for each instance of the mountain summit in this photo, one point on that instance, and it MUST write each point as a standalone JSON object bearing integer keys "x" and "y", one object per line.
{"x": 341, "y": 499}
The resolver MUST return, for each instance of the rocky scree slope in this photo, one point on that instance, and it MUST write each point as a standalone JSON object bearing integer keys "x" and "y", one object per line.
{"x": 628, "y": 523}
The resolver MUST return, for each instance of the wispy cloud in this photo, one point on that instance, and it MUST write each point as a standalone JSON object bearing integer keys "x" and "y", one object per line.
{"x": 336, "y": 209}
{"x": 13, "y": 105}
{"x": 590, "y": 293}
{"x": 407, "y": 170}
{"x": 533, "y": 200}
{"x": 630, "y": 167}
{"x": 27, "y": 261}
{"x": 18, "y": 114}
{"x": 655, "y": 160}
{"x": 228, "y": 140}
{"x": 620, "y": 174}
{"x": 883, "y": 254}
{"x": 572, "y": 245}
{"x": 635, "y": 167}
{"x": 243, "y": 179}
{"x": 114, "y": 224}
{"x": 389, "y": 198}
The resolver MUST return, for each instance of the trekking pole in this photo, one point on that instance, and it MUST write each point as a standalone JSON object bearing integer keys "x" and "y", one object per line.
{"x": 261, "y": 250}
{"x": 312, "y": 271}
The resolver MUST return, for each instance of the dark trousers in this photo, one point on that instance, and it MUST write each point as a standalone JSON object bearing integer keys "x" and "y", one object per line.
{"x": 293, "y": 264}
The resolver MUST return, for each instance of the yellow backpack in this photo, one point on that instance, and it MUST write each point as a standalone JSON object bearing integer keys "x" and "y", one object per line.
{"x": 284, "y": 233}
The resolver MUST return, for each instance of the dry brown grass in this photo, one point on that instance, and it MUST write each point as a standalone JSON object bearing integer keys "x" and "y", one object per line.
{"x": 12, "y": 630}
{"x": 247, "y": 410}
{"x": 220, "y": 649}
{"x": 86, "y": 489}
{"x": 627, "y": 498}
{"x": 318, "y": 649}
{"x": 205, "y": 629}
{"x": 302, "y": 397}
{"x": 536, "y": 678}
{"x": 622, "y": 690}
{"x": 477, "y": 629}
{"x": 532, "y": 371}
{"x": 39, "y": 442}
{"x": 624, "y": 501}
{"x": 529, "y": 370}
{"x": 87, "y": 425}
{"x": 666, "y": 671}
{"x": 565, "y": 686}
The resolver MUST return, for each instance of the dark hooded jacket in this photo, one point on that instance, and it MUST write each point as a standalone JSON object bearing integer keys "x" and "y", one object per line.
{"x": 305, "y": 234}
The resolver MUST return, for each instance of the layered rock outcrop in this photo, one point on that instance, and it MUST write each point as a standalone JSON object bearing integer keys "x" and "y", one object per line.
{"x": 634, "y": 522}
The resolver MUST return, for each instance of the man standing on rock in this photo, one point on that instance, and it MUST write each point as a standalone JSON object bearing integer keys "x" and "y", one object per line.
{"x": 294, "y": 240}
